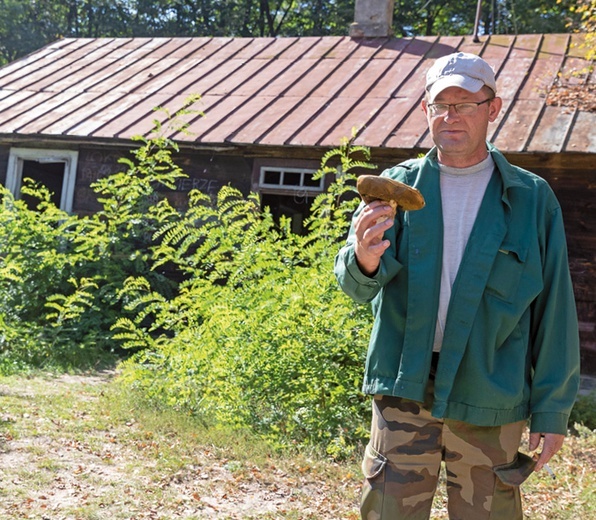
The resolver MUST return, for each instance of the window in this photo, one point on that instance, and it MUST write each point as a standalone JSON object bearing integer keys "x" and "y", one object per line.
{"x": 55, "y": 169}
{"x": 296, "y": 179}
{"x": 289, "y": 191}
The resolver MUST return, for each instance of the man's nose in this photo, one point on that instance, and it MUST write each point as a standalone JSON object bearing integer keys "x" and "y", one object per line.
{"x": 451, "y": 114}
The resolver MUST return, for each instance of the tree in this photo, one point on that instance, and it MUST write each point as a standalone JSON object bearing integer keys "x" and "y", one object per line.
{"x": 527, "y": 17}
{"x": 94, "y": 18}
{"x": 245, "y": 18}
{"x": 585, "y": 10}
{"x": 23, "y": 29}
{"x": 27, "y": 25}
{"x": 574, "y": 89}
{"x": 428, "y": 17}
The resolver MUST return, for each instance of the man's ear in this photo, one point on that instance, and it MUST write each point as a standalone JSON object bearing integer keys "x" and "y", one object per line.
{"x": 494, "y": 108}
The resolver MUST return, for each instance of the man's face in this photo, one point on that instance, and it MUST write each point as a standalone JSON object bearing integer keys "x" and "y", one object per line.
{"x": 461, "y": 139}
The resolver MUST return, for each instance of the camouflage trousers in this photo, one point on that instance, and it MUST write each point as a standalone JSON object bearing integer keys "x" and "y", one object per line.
{"x": 404, "y": 456}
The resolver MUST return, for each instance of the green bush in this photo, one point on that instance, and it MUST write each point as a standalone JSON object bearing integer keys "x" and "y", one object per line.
{"x": 259, "y": 335}
{"x": 224, "y": 313}
{"x": 61, "y": 275}
{"x": 584, "y": 412}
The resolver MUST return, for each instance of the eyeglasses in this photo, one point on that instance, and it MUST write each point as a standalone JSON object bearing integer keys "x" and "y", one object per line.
{"x": 463, "y": 109}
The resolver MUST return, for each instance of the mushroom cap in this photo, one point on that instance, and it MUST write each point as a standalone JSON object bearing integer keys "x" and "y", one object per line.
{"x": 374, "y": 187}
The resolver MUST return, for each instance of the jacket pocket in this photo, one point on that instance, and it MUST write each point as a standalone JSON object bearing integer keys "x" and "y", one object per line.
{"x": 373, "y": 463}
{"x": 506, "y": 272}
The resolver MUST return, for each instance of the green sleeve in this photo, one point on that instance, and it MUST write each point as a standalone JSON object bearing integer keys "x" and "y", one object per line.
{"x": 353, "y": 282}
{"x": 555, "y": 334}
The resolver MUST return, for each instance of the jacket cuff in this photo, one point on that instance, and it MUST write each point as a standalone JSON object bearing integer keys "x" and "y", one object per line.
{"x": 548, "y": 422}
{"x": 388, "y": 268}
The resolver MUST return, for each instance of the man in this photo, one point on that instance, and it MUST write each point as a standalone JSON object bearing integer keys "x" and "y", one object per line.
{"x": 475, "y": 329}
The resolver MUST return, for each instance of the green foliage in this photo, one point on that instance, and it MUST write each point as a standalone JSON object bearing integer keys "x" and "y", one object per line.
{"x": 259, "y": 333}
{"x": 497, "y": 17}
{"x": 223, "y": 312}
{"x": 331, "y": 211}
{"x": 27, "y": 25}
{"x": 584, "y": 412}
{"x": 21, "y": 345}
{"x": 584, "y": 21}
{"x": 282, "y": 354}
{"x": 61, "y": 275}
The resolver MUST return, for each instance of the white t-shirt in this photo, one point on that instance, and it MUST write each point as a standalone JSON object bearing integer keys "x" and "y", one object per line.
{"x": 462, "y": 190}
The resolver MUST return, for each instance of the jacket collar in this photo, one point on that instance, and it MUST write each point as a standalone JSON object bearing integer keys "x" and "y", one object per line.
{"x": 509, "y": 173}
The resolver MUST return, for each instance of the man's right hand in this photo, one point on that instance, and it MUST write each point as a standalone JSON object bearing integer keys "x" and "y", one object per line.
{"x": 370, "y": 245}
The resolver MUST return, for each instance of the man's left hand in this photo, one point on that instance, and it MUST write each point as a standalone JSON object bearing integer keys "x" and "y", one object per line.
{"x": 551, "y": 445}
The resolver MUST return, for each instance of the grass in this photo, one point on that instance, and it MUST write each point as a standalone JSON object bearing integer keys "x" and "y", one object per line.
{"x": 80, "y": 448}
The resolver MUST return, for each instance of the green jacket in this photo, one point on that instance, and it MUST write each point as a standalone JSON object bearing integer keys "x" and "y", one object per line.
{"x": 511, "y": 347}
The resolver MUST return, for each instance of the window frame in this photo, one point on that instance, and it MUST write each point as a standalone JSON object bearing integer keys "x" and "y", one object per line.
{"x": 14, "y": 170}
{"x": 284, "y": 188}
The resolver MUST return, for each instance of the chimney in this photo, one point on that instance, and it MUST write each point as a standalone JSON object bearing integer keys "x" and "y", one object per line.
{"x": 372, "y": 19}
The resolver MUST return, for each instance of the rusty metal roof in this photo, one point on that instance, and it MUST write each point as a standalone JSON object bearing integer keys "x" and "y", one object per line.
{"x": 286, "y": 91}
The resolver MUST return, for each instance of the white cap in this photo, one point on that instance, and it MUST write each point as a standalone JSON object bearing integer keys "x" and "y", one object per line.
{"x": 460, "y": 69}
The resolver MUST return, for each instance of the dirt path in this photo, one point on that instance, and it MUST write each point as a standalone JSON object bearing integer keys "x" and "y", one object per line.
{"x": 69, "y": 450}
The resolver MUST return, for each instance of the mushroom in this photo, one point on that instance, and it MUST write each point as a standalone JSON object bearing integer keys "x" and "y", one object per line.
{"x": 397, "y": 194}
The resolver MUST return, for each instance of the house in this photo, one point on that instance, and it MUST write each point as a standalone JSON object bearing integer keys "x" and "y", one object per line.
{"x": 273, "y": 106}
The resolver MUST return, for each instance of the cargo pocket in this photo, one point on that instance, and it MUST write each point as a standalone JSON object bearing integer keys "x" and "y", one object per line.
{"x": 516, "y": 472}
{"x": 506, "y": 500}
{"x": 373, "y": 492}
{"x": 373, "y": 463}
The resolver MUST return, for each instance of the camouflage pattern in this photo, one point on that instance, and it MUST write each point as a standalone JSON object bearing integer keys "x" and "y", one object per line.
{"x": 404, "y": 456}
